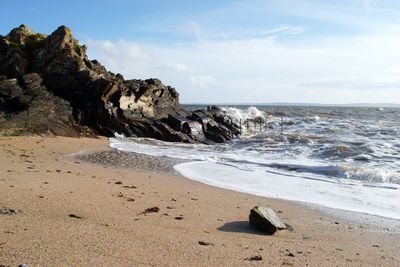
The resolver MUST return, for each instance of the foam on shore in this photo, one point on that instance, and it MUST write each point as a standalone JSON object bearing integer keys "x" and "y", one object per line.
{"x": 300, "y": 180}
{"x": 365, "y": 199}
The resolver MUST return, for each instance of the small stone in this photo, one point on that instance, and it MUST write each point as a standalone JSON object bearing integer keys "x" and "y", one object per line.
{"x": 129, "y": 186}
{"x": 151, "y": 210}
{"x": 178, "y": 218}
{"x": 75, "y": 216}
{"x": 266, "y": 220}
{"x": 254, "y": 258}
{"x": 290, "y": 254}
{"x": 7, "y": 211}
{"x": 118, "y": 182}
{"x": 204, "y": 243}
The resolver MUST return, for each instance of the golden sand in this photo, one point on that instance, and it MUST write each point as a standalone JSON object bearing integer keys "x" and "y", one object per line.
{"x": 72, "y": 213}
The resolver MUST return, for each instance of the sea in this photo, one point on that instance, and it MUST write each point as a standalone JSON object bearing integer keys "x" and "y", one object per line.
{"x": 345, "y": 158}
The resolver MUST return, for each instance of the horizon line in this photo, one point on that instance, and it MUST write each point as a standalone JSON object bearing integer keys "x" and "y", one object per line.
{"x": 384, "y": 104}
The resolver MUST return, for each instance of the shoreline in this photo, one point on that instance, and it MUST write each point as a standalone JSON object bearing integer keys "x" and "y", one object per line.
{"x": 112, "y": 157}
{"x": 45, "y": 189}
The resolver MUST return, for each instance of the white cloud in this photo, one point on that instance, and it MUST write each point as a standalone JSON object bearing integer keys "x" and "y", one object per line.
{"x": 368, "y": 4}
{"x": 192, "y": 28}
{"x": 122, "y": 56}
{"x": 284, "y": 29}
{"x": 173, "y": 66}
{"x": 335, "y": 70}
{"x": 201, "y": 81}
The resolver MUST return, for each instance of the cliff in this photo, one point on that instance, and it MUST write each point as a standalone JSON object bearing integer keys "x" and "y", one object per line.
{"x": 49, "y": 86}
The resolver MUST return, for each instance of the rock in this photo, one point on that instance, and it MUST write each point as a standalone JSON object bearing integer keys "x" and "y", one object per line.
{"x": 204, "y": 243}
{"x": 20, "y": 34}
{"x": 150, "y": 210}
{"x": 254, "y": 258}
{"x": 49, "y": 86}
{"x": 75, "y": 216}
{"x": 289, "y": 254}
{"x": 7, "y": 211}
{"x": 265, "y": 220}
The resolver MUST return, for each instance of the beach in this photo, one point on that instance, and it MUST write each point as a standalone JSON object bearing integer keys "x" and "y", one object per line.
{"x": 59, "y": 210}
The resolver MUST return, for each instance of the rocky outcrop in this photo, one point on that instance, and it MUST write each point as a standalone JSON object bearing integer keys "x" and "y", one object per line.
{"x": 265, "y": 220}
{"x": 48, "y": 85}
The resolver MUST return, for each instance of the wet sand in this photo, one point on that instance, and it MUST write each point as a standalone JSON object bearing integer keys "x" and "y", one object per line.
{"x": 132, "y": 210}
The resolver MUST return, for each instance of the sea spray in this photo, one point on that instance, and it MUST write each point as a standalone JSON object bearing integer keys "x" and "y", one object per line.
{"x": 341, "y": 158}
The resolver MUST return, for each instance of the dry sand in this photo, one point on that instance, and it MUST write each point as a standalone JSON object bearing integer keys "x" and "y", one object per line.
{"x": 72, "y": 213}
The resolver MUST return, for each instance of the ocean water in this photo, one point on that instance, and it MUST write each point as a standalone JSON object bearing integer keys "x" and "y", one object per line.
{"x": 344, "y": 158}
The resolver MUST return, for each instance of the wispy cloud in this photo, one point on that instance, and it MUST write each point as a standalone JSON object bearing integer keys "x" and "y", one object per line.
{"x": 345, "y": 69}
{"x": 257, "y": 63}
{"x": 283, "y": 29}
{"x": 359, "y": 85}
{"x": 368, "y": 4}
{"x": 201, "y": 81}
{"x": 192, "y": 28}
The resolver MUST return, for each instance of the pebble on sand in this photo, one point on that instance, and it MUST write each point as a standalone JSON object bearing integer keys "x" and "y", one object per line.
{"x": 265, "y": 220}
{"x": 7, "y": 211}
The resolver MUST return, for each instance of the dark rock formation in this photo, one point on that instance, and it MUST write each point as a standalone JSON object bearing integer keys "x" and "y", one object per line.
{"x": 265, "y": 220}
{"x": 48, "y": 85}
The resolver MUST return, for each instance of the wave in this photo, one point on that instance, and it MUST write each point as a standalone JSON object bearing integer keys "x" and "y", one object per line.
{"x": 252, "y": 159}
{"x": 381, "y": 201}
{"x": 343, "y": 158}
{"x": 250, "y": 113}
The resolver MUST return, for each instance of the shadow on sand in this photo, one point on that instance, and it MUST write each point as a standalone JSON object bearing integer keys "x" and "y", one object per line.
{"x": 240, "y": 227}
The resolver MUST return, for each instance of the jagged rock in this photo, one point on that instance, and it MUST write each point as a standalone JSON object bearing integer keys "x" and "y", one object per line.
{"x": 20, "y": 34}
{"x": 30, "y": 108}
{"x": 10, "y": 91}
{"x": 265, "y": 220}
{"x": 48, "y": 85}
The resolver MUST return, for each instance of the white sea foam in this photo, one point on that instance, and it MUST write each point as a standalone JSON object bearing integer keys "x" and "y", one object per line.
{"x": 298, "y": 178}
{"x": 240, "y": 114}
{"x": 372, "y": 200}
{"x": 342, "y": 158}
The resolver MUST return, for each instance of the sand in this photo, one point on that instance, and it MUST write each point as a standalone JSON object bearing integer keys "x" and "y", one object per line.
{"x": 68, "y": 212}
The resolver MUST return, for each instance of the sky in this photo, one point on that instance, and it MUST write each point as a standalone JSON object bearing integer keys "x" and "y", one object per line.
{"x": 254, "y": 51}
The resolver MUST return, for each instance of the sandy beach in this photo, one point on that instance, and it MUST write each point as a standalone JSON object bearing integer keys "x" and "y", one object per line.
{"x": 57, "y": 210}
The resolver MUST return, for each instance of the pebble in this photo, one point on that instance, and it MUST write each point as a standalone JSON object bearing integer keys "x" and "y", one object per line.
{"x": 254, "y": 258}
{"x": 204, "y": 243}
{"x": 7, "y": 211}
{"x": 75, "y": 216}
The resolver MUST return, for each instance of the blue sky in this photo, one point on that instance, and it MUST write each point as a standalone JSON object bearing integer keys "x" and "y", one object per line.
{"x": 250, "y": 51}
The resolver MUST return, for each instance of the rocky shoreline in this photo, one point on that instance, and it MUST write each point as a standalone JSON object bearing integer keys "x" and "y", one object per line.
{"x": 49, "y": 86}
